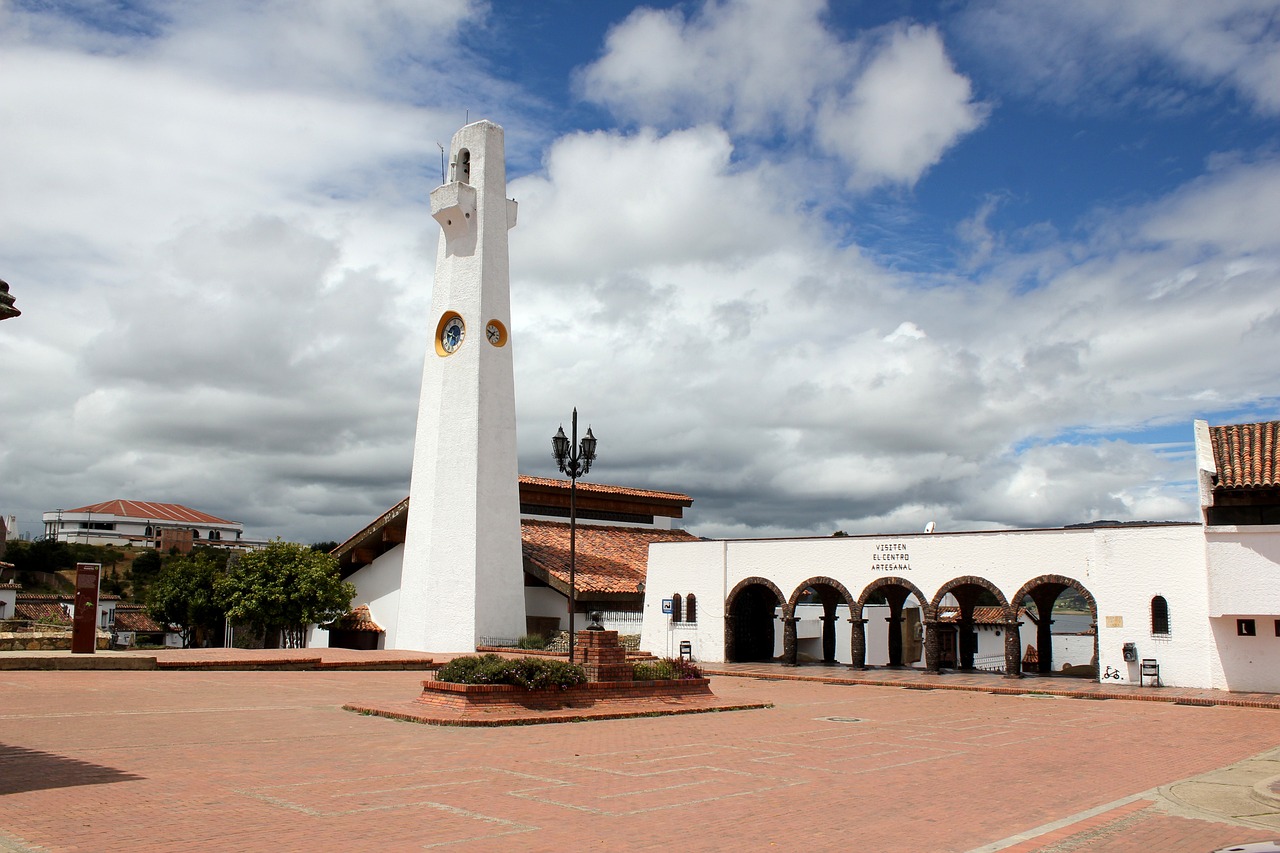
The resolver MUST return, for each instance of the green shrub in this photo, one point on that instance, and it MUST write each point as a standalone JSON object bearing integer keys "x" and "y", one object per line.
{"x": 529, "y": 673}
{"x": 532, "y": 641}
{"x": 666, "y": 669}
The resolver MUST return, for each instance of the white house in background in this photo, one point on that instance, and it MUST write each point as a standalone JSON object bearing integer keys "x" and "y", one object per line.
{"x": 1187, "y": 604}
{"x": 144, "y": 524}
{"x": 8, "y": 598}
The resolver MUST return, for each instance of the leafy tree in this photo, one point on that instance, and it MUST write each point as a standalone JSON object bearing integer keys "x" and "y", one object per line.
{"x": 324, "y": 547}
{"x": 185, "y": 593}
{"x": 285, "y": 587}
{"x": 42, "y": 555}
{"x": 144, "y": 569}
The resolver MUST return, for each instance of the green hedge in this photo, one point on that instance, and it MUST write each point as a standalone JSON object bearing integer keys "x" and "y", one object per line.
{"x": 667, "y": 669}
{"x": 529, "y": 673}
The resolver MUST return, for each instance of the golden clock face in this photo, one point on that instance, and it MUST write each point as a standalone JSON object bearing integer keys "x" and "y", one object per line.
{"x": 496, "y": 333}
{"x": 450, "y": 333}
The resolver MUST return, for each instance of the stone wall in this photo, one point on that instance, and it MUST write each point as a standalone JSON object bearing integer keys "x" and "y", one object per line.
{"x": 44, "y": 641}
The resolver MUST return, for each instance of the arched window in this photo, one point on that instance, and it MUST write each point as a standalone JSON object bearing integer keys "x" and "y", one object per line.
{"x": 1159, "y": 615}
{"x": 676, "y": 614}
{"x": 691, "y": 608}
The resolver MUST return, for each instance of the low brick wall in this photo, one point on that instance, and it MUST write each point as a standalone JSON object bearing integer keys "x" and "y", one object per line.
{"x": 44, "y": 641}
{"x": 497, "y": 697}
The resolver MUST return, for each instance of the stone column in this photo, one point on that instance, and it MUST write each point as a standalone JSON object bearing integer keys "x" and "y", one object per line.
{"x": 932, "y": 646}
{"x": 789, "y": 650}
{"x": 858, "y": 643}
{"x": 1012, "y": 649}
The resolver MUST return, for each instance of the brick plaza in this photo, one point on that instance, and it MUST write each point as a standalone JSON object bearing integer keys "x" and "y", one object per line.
{"x": 160, "y": 761}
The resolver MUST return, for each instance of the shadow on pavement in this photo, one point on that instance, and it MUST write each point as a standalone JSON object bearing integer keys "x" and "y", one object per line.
{"x": 23, "y": 769}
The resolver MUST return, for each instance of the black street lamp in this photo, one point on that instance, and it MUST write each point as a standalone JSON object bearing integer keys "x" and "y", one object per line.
{"x": 575, "y": 460}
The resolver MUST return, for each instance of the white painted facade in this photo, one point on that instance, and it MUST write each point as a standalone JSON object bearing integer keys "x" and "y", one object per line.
{"x": 1210, "y": 577}
{"x": 141, "y": 531}
{"x": 462, "y": 576}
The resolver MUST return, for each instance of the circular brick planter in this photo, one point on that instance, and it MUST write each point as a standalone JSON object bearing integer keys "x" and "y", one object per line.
{"x": 495, "y": 697}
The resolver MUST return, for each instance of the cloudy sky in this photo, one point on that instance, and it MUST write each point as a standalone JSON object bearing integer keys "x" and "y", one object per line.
{"x": 822, "y": 266}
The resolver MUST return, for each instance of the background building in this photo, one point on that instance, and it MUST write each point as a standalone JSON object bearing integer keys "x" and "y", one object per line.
{"x": 144, "y": 524}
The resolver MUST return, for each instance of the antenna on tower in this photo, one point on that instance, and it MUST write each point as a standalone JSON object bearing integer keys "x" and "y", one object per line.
{"x": 441, "y": 147}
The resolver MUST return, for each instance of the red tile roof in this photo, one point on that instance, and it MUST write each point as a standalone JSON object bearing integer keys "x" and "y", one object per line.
{"x": 609, "y": 559}
{"x": 982, "y": 615}
{"x": 1247, "y": 455}
{"x": 602, "y": 489}
{"x": 137, "y": 620}
{"x": 152, "y": 512}
{"x": 50, "y": 611}
{"x": 358, "y": 619}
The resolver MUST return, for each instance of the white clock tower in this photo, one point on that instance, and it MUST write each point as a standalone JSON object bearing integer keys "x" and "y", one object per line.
{"x": 462, "y": 577}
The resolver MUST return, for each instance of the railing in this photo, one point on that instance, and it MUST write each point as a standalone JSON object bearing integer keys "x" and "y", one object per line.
{"x": 989, "y": 663}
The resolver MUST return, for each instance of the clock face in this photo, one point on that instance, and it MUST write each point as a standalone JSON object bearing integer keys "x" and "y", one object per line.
{"x": 496, "y": 333}
{"x": 451, "y": 334}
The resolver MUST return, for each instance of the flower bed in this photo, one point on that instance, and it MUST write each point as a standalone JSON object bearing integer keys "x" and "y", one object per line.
{"x": 499, "y": 697}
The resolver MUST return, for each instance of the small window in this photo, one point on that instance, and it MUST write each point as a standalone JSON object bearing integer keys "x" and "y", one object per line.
{"x": 676, "y": 609}
{"x": 1159, "y": 615}
{"x": 1246, "y": 628}
{"x": 691, "y": 608}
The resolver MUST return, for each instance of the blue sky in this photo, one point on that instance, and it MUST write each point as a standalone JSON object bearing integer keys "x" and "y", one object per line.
{"x": 822, "y": 266}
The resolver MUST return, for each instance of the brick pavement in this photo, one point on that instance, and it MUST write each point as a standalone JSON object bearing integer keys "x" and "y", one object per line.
{"x": 156, "y": 761}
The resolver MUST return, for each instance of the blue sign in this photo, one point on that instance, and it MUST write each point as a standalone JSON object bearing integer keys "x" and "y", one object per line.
{"x": 666, "y": 606}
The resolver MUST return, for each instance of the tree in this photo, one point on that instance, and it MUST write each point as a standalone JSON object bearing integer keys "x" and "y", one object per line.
{"x": 185, "y": 593}
{"x": 285, "y": 587}
{"x": 325, "y": 547}
{"x": 144, "y": 569}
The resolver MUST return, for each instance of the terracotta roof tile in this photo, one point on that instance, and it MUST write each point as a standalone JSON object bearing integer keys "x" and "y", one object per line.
{"x": 137, "y": 620}
{"x": 609, "y": 559}
{"x": 1247, "y": 455}
{"x": 982, "y": 615}
{"x": 603, "y": 489}
{"x": 37, "y": 610}
{"x": 152, "y": 512}
{"x": 358, "y": 619}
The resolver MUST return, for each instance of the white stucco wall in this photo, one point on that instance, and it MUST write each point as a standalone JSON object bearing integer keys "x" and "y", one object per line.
{"x": 1130, "y": 567}
{"x": 1123, "y": 568}
{"x": 378, "y": 587}
{"x": 546, "y": 602}
{"x": 1244, "y": 570}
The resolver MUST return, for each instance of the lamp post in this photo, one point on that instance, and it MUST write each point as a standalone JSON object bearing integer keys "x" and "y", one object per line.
{"x": 574, "y": 459}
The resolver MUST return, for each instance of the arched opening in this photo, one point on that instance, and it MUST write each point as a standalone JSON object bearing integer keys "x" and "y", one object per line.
{"x": 817, "y": 607}
{"x": 1065, "y": 617}
{"x": 970, "y": 622}
{"x": 691, "y": 608}
{"x": 749, "y": 620}
{"x": 462, "y": 167}
{"x": 677, "y": 610}
{"x": 898, "y": 640}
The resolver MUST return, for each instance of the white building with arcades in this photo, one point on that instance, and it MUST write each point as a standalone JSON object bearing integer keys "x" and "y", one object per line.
{"x": 1179, "y": 604}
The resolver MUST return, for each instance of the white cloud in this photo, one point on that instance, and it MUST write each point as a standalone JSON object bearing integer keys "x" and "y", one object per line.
{"x": 887, "y": 105}
{"x": 901, "y": 115}
{"x": 1092, "y": 52}
{"x": 754, "y": 63}
{"x": 224, "y": 268}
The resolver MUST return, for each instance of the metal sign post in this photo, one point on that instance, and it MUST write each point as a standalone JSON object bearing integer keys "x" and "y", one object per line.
{"x": 84, "y": 620}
